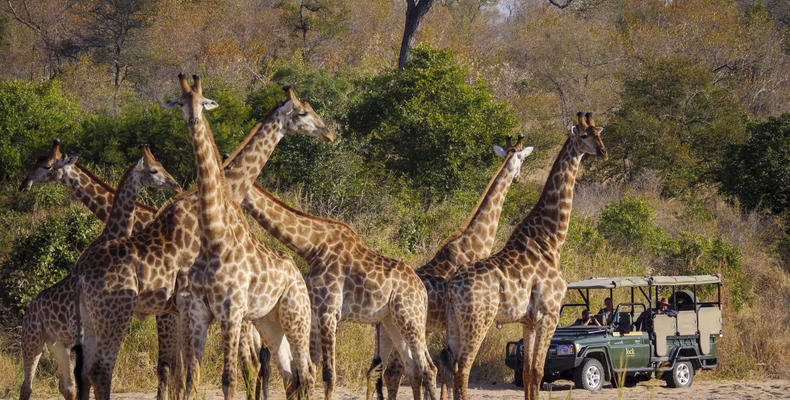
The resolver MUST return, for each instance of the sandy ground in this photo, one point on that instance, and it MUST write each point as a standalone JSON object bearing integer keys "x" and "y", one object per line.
{"x": 655, "y": 389}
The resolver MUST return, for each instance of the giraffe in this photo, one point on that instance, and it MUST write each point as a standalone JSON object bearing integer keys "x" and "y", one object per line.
{"x": 471, "y": 242}
{"x": 522, "y": 282}
{"x": 98, "y": 196}
{"x": 348, "y": 281}
{"x": 52, "y": 317}
{"x": 235, "y": 276}
{"x": 138, "y": 275}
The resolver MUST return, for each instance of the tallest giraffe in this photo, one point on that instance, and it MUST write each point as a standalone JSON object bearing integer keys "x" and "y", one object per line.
{"x": 522, "y": 282}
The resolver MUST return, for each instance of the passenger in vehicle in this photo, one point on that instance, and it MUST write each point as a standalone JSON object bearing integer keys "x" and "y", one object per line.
{"x": 587, "y": 319}
{"x": 663, "y": 308}
{"x": 607, "y": 313}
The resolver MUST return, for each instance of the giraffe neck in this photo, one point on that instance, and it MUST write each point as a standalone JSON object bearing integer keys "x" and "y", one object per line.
{"x": 303, "y": 233}
{"x": 479, "y": 229}
{"x": 210, "y": 185}
{"x": 547, "y": 222}
{"x": 121, "y": 219}
{"x": 246, "y": 163}
{"x": 99, "y": 196}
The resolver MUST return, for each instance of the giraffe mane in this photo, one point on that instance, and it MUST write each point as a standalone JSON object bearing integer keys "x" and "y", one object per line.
{"x": 302, "y": 213}
{"x": 472, "y": 215}
{"x": 109, "y": 188}
{"x": 250, "y": 135}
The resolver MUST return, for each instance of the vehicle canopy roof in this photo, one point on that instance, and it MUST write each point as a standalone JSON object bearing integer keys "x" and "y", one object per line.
{"x": 641, "y": 281}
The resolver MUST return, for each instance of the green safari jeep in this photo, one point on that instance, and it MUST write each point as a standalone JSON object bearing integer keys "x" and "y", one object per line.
{"x": 639, "y": 342}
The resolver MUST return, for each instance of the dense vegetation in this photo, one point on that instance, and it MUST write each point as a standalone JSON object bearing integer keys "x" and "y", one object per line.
{"x": 693, "y": 97}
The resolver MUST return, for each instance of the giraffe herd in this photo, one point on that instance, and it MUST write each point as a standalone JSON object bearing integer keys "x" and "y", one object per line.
{"x": 195, "y": 261}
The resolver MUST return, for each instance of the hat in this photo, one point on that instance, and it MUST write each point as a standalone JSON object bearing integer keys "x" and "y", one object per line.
{"x": 663, "y": 300}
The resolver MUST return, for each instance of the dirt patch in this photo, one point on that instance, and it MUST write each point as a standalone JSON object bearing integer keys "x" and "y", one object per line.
{"x": 655, "y": 389}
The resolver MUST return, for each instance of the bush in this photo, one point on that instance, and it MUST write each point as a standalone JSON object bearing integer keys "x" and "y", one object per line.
{"x": 425, "y": 124}
{"x": 31, "y": 116}
{"x": 40, "y": 259}
{"x": 629, "y": 223}
{"x": 758, "y": 172}
{"x": 674, "y": 119}
{"x": 702, "y": 256}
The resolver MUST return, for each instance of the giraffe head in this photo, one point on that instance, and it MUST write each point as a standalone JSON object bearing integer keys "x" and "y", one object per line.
{"x": 586, "y": 137}
{"x": 517, "y": 154}
{"x": 151, "y": 173}
{"x": 300, "y": 118}
{"x": 48, "y": 168}
{"x": 191, "y": 101}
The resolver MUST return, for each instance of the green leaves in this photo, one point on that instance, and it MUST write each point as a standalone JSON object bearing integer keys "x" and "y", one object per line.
{"x": 427, "y": 124}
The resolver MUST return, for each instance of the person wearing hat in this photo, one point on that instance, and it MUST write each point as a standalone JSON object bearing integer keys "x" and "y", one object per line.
{"x": 663, "y": 308}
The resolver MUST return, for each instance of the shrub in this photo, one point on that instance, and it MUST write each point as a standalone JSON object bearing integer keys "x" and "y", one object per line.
{"x": 40, "y": 259}
{"x": 425, "y": 124}
{"x": 758, "y": 172}
{"x": 702, "y": 255}
{"x": 31, "y": 116}
{"x": 629, "y": 223}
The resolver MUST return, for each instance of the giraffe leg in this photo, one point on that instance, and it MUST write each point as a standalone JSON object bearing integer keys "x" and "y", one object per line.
{"x": 109, "y": 337}
{"x": 472, "y": 327}
{"x": 66, "y": 384}
{"x": 414, "y": 354}
{"x": 538, "y": 336}
{"x": 294, "y": 315}
{"x": 248, "y": 359}
{"x": 393, "y": 375}
{"x": 168, "y": 367}
{"x": 327, "y": 326}
{"x": 195, "y": 319}
{"x": 32, "y": 347}
{"x": 231, "y": 330}
{"x": 275, "y": 339}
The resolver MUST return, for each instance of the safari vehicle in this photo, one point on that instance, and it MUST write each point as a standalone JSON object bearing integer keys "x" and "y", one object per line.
{"x": 671, "y": 345}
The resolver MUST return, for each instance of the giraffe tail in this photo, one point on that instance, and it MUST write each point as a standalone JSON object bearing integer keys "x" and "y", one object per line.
{"x": 446, "y": 366}
{"x": 79, "y": 360}
{"x": 262, "y": 384}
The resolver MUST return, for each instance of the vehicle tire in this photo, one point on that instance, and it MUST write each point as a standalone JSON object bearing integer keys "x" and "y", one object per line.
{"x": 681, "y": 375}
{"x": 589, "y": 375}
{"x": 518, "y": 378}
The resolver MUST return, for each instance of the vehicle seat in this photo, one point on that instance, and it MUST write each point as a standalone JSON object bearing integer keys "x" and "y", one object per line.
{"x": 663, "y": 326}
{"x": 709, "y": 324}
{"x": 623, "y": 323}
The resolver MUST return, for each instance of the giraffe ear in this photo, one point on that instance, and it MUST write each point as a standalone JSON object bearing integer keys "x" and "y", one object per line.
{"x": 288, "y": 106}
{"x": 598, "y": 130}
{"x": 499, "y": 151}
{"x": 173, "y": 103}
{"x": 574, "y": 130}
{"x": 209, "y": 104}
{"x": 526, "y": 151}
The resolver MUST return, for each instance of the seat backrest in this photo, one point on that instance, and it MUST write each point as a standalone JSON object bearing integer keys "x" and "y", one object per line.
{"x": 709, "y": 324}
{"x": 663, "y": 326}
{"x": 687, "y": 322}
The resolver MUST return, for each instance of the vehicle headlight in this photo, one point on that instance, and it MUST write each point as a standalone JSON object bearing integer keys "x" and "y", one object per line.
{"x": 565, "y": 349}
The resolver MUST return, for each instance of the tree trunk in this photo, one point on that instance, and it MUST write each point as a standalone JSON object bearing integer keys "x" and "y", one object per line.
{"x": 414, "y": 16}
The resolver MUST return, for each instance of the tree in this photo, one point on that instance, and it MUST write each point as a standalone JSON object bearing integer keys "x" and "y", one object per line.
{"x": 415, "y": 12}
{"x": 426, "y": 125}
{"x": 319, "y": 20}
{"x": 673, "y": 119}
{"x": 758, "y": 172}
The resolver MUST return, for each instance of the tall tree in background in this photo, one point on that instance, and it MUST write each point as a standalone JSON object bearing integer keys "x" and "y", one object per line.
{"x": 415, "y": 12}
{"x": 111, "y": 26}
{"x": 313, "y": 22}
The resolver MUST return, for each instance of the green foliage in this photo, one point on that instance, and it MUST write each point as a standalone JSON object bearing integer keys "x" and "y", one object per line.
{"x": 674, "y": 119}
{"x": 701, "y": 255}
{"x": 426, "y": 124}
{"x": 758, "y": 172}
{"x": 40, "y": 259}
{"x": 629, "y": 223}
{"x": 31, "y": 116}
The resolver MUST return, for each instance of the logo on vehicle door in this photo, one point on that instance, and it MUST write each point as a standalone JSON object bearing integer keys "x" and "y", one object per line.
{"x": 629, "y": 352}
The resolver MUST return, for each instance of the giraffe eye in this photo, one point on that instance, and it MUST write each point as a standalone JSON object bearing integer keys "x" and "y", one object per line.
{"x": 153, "y": 172}
{"x": 47, "y": 167}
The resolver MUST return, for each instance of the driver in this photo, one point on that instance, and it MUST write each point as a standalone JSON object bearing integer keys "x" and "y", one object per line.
{"x": 607, "y": 313}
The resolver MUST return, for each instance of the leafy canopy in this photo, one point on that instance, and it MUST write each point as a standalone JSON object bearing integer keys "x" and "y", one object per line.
{"x": 426, "y": 125}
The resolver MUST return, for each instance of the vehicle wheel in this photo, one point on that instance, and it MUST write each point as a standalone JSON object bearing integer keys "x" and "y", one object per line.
{"x": 589, "y": 375}
{"x": 518, "y": 378}
{"x": 682, "y": 375}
